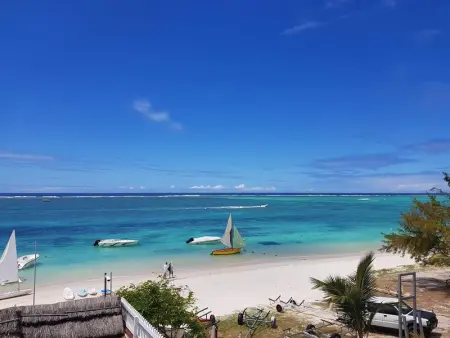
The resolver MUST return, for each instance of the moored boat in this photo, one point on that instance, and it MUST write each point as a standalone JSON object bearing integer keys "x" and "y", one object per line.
{"x": 115, "y": 242}
{"x": 27, "y": 261}
{"x": 204, "y": 240}
{"x": 232, "y": 239}
{"x": 9, "y": 270}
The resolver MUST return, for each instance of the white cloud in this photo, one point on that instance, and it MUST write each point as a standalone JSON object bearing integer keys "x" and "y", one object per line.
{"x": 126, "y": 187}
{"x": 145, "y": 108}
{"x": 24, "y": 157}
{"x": 142, "y": 187}
{"x": 172, "y": 187}
{"x": 244, "y": 188}
{"x": 303, "y": 27}
{"x": 207, "y": 187}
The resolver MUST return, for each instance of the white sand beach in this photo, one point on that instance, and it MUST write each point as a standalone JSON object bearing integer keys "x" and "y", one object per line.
{"x": 225, "y": 290}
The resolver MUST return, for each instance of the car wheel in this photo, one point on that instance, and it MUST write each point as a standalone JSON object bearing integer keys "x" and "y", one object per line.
{"x": 426, "y": 333}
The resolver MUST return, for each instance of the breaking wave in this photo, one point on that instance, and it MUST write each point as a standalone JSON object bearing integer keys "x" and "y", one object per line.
{"x": 232, "y": 207}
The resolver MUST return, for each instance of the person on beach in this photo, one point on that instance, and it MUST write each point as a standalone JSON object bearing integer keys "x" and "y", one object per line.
{"x": 170, "y": 268}
{"x": 165, "y": 268}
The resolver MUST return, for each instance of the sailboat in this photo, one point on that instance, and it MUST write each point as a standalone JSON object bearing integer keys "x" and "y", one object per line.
{"x": 9, "y": 270}
{"x": 231, "y": 239}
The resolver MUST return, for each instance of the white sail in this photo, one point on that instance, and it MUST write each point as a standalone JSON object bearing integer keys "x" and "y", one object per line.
{"x": 238, "y": 241}
{"x": 9, "y": 271}
{"x": 226, "y": 238}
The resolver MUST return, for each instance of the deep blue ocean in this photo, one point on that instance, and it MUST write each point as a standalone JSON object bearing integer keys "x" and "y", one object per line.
{"x": 66, "y": 227}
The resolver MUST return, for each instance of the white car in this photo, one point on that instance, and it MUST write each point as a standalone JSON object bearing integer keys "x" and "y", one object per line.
{"x": 386, "y": 310}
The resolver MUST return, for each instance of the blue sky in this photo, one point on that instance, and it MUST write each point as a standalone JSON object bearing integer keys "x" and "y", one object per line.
{"x": 284, "y": 96}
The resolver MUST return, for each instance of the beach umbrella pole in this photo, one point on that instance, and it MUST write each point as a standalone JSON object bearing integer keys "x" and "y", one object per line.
{"x": 105, "y": 283}
{"x": 34, "y": 279}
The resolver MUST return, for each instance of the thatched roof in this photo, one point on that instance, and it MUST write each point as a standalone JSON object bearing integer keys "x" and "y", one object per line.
{"x": 98, "y": 317}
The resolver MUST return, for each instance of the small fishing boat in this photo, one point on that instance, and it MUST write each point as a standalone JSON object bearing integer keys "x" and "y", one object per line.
{"x": 68, "y": 294}
{"x": 231, "y": 239}
{"x": 107, "y": 291}
{"x": 115, "y": 242}
{"x": 82, "y": 293}
{"x": 203, "y": 240}
{"x": 92, "y": 291}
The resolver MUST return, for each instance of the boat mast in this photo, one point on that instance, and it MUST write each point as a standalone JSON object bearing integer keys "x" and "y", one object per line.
{"x": 231, "y": 235}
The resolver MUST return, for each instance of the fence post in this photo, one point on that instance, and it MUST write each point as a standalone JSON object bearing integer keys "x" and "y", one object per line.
{"x": 136, "y": 327}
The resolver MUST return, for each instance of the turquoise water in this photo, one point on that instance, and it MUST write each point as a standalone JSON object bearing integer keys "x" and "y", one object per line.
{"x": 66, "y": 228}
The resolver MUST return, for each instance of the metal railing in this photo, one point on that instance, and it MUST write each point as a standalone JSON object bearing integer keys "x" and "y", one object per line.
{"x": 137, "y": 324}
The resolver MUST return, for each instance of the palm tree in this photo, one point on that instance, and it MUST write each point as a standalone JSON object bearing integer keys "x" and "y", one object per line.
{"x": 351, "y": 294}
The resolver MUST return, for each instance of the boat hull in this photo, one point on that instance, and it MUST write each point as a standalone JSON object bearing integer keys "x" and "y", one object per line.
{"x": 27, "y": 261}
{"x": 205, "y": 240}
{"x": 14, "y": 294}
{"x": 117, "y": 243}
{"x": 224, "y": 252}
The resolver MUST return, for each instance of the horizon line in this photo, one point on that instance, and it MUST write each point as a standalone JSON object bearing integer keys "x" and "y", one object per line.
{"x": 209, "y": 193}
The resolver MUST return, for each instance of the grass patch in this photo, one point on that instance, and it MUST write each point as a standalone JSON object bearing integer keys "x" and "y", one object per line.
{"x": 321, "y": 305}
{"x": 383, "y": 273}
{"x": 229, "y": 328}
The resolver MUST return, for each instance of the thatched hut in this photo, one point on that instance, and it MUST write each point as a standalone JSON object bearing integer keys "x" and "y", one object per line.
{"x": 92, "y": 317}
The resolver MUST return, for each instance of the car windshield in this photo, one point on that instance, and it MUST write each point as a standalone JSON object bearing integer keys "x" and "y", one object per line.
{"x": 405, "y": 308}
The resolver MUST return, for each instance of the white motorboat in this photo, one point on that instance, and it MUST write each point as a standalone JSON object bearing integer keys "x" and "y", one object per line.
{"x": 27, "y": 261}
{"x": 115, "y": 242}
{"x": 204, "y": 240}
{"x": 9, "y": 271}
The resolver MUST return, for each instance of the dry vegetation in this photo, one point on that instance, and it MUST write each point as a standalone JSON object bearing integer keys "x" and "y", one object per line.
{"x": 432, "y": 294}
{"x": 229, "y": 328}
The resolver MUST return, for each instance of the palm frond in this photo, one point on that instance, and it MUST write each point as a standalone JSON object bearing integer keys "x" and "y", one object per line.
{"x": 335, "y": 288}
{"x": 350, "y": 294}
{"x": 364, "y": 278}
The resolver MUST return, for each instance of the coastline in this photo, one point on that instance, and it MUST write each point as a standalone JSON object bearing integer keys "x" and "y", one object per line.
{"x": 131, "y": 266}
{"x": 229, "y": 287}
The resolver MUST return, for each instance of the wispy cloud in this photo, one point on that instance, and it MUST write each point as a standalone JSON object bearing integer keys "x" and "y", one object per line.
{"x": 207, "y": 187}
{"x": 31, "y": 188}
{"x": 127, "y": 187}
{"x": 436, "y": 146}
{"x": 144, "y": 107}
{"x": 389, "y": 3}
{"x": 365, "y": 161}
{"x": 436, "y": 95}
{"x": 426, "y": 36}
{"x": 380, "y": 182}
{"x": 330, "y": 4}
{"x": 24, "y": 157}
{"x": 303, "y": 27}
{"x": 242, "y": 187}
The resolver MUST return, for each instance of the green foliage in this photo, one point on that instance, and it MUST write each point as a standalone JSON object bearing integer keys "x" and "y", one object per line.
{"x": 439, "y": 260}
{"x": 424, "y": 230}
{"x": 351, "y": 294}
{"x": 163, "y": 305}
